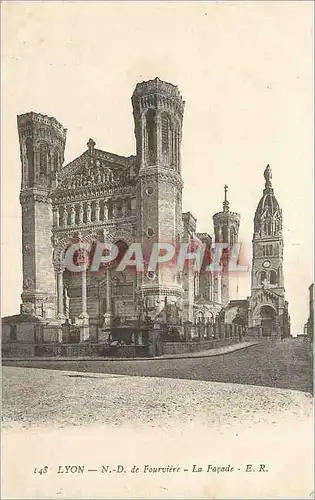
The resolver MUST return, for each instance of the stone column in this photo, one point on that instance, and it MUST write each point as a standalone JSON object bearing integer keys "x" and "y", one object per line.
{"x": 226, "y": 330}
{"x": 217, "y": 327}
{"x": 208, "y": 328}
{"x": 114, "y": 209}
{"x": 108, "y": 314}
{"x": 60, "y": 309}
{"x": 84, "y": 298}
{"x": 81, "y": 212}
{"x": 88, "y": 212}
{"x": 215, "y": 287}
{"x": 133, "y": 206}
{"x": 72, "y": 215}
{"x": 84, "y": 317}
{"x": 219, "y": 287}
{"x": 55, "y": 217}
{"x": 211, "y": 330}
{"x": 65, "y": 216}
{"x": 97, "y": 211}
{"x": 123, "y": 208}
{"x": 105, "y": 210}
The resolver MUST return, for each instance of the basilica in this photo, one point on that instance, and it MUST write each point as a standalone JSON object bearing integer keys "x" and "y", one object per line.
{"x": 105, "y": 197}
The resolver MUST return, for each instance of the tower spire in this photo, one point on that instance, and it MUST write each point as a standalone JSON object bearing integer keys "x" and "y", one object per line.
{"x": 225, "y": 203}
{"x": 268, "y": 177}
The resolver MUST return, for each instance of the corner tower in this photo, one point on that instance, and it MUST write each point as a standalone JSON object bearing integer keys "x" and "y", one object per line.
{"x": 158, "y": 110}
{"x": 226, "y": 229}
{"x": 42, "y": 143}
{"x": 267, "y": 305}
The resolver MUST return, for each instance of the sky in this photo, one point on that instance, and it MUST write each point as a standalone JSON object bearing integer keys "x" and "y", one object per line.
{"x": 245, "y": 71}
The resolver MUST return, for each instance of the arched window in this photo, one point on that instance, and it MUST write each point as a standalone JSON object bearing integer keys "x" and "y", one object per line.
{"x": 30, "y": 161}
{"x": 165, "y": 126}
{"x": 267, "y": 250}
{"x": 43, "y": 159}
{"x": 151, "y": 136}
{"x": 273, "y": 277}
{"x": 232, "y": 236}
{"x": 56, "y": 160}
{"x": 263, "y": 277}
{"x": 225, "y": 234}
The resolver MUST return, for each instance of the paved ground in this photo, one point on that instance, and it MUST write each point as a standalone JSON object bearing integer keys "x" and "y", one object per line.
{"x": 38, "y": 396}
{"x": 54, "y": 418}
{"x": 60, "y": 417}
{"x": 286, "y": 365}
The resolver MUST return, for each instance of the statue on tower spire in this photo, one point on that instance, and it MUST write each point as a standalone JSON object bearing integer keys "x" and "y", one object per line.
{"x": 225, "y": 203}
{"x": 268, "y": 175}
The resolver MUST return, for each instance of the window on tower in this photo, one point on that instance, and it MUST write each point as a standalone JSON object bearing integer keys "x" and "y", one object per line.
{"x": 151, "y": 136}
{"x": 43, "y": 159}
{"x": 30, "y": 161}
{"x": 225, "y": 234}
{"x": 56, "y": 160}
{"x": 267, "y": 250}
{"x": 165, "y": 133}
{"x": 273, "y": 278}
{"x": 263, "y": 277}
{"x": 232, "y": 236}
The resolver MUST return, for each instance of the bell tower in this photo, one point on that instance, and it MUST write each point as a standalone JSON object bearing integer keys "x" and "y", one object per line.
{"x": 42, "y": 143}
{"x": 226, "y": 228}
{"x": 267, "y": 305}
{"x": 158, "y": 110}
{"x": 267, "y": 266}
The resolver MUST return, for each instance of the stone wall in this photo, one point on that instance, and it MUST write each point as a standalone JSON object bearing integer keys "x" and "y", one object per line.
{"x": 186, "y": 347}
{"x": 18, "y": 350}
{"x": 23, "y": 332}
{"x": 54, "y": 349}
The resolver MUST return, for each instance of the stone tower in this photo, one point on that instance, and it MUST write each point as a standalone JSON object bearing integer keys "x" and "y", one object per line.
{"x": 158, "y": 115}
{"x": 226, "y": 228}
{"x": 42, "y": 143}
{"x": 267, "y": 305}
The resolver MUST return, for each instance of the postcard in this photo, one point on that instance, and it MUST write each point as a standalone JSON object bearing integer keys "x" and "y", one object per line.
{"x": 157, "y": 250}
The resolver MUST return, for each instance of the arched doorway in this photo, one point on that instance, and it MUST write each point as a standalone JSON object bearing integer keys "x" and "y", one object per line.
{"x": 268, "y": 321}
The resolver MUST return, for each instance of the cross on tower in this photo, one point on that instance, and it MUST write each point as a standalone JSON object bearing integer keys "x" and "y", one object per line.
{"x": 225, "y": 203}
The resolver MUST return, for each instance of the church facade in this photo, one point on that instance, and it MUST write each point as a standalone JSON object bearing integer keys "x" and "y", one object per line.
{"x": 105, "y": 197}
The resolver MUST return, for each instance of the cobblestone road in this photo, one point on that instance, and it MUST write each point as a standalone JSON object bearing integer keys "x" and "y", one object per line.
{"x": 286, "y": 365}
